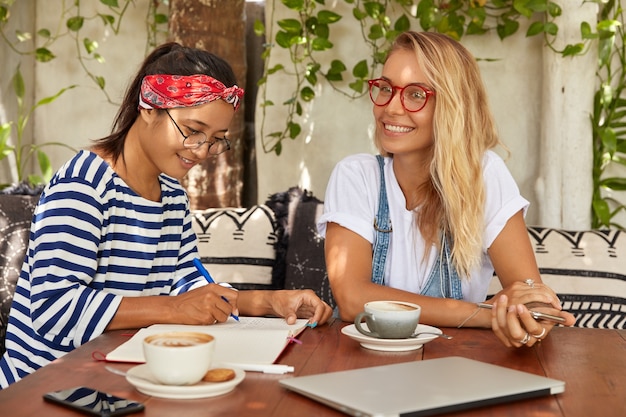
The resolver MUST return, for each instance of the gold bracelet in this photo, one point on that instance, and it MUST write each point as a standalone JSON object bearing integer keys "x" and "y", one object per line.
{"x": 469, "y": 318}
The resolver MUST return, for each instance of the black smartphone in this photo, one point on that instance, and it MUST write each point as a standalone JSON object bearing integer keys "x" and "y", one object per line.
{"x": 93, "y": 402}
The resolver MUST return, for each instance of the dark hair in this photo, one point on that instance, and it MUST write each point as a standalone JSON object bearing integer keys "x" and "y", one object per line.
{"x": 172, "y": 59}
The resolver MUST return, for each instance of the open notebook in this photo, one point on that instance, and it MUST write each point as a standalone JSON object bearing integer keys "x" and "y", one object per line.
{"x": 421, "y": 388}
{"x": 252, "y": 344}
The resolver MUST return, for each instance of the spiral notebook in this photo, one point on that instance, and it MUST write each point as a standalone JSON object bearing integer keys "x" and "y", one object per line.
{"x": 421, "y": 388}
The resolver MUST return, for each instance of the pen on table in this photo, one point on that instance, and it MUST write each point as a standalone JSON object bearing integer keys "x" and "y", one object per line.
{"x": 208, "y": 277}
{"x": 265, "y": 368}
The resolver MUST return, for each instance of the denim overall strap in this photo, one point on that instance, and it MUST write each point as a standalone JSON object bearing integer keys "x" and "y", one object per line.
{"x": 382, "y": 229}
{"x": 444, "y": 280}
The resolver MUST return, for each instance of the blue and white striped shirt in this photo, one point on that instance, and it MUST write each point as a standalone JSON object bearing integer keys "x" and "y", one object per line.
{"x": 93, "y": 241}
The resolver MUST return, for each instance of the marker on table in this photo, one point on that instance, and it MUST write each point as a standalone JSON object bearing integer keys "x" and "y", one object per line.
{"x": 210, "y": 280}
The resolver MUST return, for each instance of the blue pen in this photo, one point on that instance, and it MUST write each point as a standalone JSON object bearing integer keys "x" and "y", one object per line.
{"x": 210, "y": 280}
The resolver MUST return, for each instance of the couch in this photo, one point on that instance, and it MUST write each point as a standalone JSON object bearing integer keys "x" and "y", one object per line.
{"x": 275, "y": 245}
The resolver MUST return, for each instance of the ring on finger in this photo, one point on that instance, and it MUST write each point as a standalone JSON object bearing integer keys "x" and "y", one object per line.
{"x": 540, "y": 335}
{"x": 530, "y": 283}
{"x": 525, "y": 339}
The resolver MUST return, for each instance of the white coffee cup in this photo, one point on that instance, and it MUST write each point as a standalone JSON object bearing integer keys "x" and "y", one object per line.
{"x": 179, "y": 358}
{"x": 389, "y": 319}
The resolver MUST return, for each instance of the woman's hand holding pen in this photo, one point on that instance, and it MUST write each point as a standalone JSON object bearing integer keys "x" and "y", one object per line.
{"x": 208, "y": 304}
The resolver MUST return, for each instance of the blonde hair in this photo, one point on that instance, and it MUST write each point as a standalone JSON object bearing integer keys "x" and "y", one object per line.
{"x": 464, "y": 129}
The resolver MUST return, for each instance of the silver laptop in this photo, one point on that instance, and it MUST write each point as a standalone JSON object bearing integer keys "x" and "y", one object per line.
{"x": 421, "y": 388}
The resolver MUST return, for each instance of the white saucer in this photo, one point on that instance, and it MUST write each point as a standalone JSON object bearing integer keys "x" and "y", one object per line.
{"x": 392, "y": 345}
{"x": 202, "y": 389}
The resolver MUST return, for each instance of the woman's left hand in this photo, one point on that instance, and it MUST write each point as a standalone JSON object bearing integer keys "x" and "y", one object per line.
{"x": 515, "y": 327}
{"x": 293, "y": 304}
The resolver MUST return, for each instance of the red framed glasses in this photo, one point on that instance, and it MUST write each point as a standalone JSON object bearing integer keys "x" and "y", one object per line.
{"x": 412, "y": 96}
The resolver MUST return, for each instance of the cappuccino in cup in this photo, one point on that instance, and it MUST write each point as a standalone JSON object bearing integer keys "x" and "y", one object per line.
{"x": 179, "y": 358}
{"x": 388, "y": 319}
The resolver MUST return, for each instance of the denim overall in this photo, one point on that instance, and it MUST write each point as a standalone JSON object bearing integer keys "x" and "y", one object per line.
{"x": 443, "y": 281}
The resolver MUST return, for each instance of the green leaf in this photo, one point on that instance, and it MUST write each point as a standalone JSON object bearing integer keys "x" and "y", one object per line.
{"x": 291, "y": 26}
{"x": 23, "y": 36}
{"x": 275, "y": 68}
{"x": 18, "y": 84}
{"x": 359, "y": 14}
{"x": 44, "y": 55}
{"x": 361, "y": 70}
{"x": 50, "y": 99}
{"x": 614, "y": 183}
{"x": 278, "y": 148}
{"x": 586, "y": 32}
{"x": 297, "y": 5}
{"x": 402, "y": 24}
{"x": 357, "y": 85}
{"x": 160, "y": 18}
{"x": 327, "y": 17}
{"x": 110, "y": 3}
{"x": 100, "y": 81}
{"x": 602, "y": 211}
{"x": 571, "y": 50}
{"x": 5, "y": 134}
{"x": 551, "y": 29}
{"x": 44, "y": 33}
{"x": 374, "y": 9}
{"x": 294, "y": 130}
{"x": 45, "y": 166}
{"x": 4, "y": 13}
{"x": 90, "y": 45}
{"x": 259, "y": 28}
{"x": 508, "y": 28}
{"x": 107, "y": 19}
{"x": 283, "y": 39}
{"x": 376, "y": 32}
{"x": 307, "y": 94}
{"x": 75, "y": 23}
{"x": 534, "y": 29}
{"x": 321, "y": 44}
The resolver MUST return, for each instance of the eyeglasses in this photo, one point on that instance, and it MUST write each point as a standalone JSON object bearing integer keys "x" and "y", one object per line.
{"x": 413, "y": 96}
{"x": 196, "y": 139}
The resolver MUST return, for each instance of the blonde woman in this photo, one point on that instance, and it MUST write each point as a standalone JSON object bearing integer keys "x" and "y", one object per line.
{"x": 448, "y": 212}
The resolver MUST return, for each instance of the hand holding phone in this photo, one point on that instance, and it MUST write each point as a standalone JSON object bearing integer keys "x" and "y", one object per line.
{"x": 94, "y": 402}
{"x": 537, "y": 315}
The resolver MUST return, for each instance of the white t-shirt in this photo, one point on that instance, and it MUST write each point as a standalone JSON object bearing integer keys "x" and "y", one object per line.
{"x": 352, "y": 201}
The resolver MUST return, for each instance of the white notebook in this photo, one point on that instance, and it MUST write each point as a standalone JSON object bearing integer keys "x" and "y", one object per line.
{"x": 421, "y": 388}
{"x": 250, "y": 344}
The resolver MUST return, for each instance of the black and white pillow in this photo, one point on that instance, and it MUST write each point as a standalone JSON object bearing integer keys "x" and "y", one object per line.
{"x": 237, "y": 245}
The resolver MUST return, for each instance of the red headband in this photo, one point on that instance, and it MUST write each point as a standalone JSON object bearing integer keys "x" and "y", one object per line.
{"x": 162, "y": 91}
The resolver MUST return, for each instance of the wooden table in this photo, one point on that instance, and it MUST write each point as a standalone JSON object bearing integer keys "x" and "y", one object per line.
{"x": 592, "y": 362}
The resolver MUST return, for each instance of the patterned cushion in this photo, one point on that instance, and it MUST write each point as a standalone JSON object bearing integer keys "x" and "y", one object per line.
{"x": 237, "y": 245}
{"x": 586, "y": 269}
{"x": 16, "y": 212}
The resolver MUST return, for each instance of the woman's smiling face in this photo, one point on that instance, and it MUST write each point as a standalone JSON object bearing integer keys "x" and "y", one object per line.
{"x": 162, "y": 142}
{"x": 398, "y": 130}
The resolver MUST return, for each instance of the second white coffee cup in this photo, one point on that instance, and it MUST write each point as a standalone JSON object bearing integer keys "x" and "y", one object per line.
{"x": 179, "y": 358}
{"x": 389, "y": 319}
